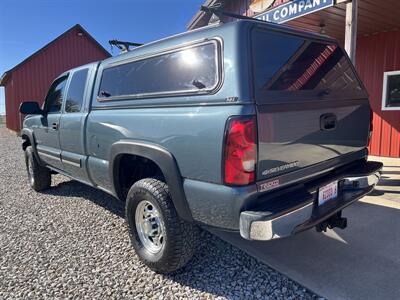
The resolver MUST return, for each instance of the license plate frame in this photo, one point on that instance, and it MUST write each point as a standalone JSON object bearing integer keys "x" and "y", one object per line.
{"x": 328, "y": 192}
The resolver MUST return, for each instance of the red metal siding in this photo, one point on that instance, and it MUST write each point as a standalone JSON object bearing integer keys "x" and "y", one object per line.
{"x": 10, "y": 110}
{"x": 31, "y": 80}
{"x": 377, "y": 54}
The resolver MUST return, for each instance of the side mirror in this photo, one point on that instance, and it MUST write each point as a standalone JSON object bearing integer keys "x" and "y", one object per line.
{"x": 30, "y": 108}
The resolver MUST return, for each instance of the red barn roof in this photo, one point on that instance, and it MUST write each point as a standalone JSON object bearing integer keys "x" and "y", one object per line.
{"x": 77, "y": 27}
{"x": 30, "y": 79}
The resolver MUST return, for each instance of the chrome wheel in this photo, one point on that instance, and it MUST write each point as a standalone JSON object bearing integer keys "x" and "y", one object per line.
{"x": 150, "y": 226}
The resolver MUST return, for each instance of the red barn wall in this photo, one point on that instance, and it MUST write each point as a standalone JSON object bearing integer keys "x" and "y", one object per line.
{"x": 377, "y": 54}
{"x": 31, "y": 80}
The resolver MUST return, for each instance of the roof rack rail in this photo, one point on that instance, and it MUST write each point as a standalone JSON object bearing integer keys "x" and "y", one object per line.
{"x": 122, "y": 45}
{"x": 216, "y": 10}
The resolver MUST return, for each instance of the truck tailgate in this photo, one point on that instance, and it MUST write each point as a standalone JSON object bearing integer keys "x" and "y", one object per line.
{"x": 311, "y": 106}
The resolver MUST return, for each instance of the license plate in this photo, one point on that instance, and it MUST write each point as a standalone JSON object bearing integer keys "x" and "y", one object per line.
{"x": 327, "y": 192}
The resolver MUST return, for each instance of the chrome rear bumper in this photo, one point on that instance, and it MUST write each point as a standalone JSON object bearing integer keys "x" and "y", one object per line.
{"x": 264, "y": 225}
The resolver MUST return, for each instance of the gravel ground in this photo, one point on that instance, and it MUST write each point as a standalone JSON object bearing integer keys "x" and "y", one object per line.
{"x": 71, "y": 241}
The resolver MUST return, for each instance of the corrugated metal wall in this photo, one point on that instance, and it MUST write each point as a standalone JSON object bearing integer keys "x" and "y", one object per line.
{"x": 377, "y": 54}
{"x": 31, "y": 80}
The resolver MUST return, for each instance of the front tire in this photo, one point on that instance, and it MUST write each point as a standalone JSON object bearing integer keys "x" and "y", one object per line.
{"x": 39, "y": 177}
{"x": 162, "y": 240}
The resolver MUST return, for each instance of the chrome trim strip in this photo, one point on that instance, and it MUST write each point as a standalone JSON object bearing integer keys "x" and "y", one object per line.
{"x": 72, "y": 163}
{"x": 48, "y": 155}
{"x": 159, "y": 105}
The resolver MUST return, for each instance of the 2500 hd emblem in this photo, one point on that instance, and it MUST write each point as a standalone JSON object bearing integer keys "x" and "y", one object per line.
{"x": 281, "y": 168}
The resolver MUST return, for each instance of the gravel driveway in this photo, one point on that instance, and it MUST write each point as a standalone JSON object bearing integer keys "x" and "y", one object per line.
{"x": 71, "y": 241}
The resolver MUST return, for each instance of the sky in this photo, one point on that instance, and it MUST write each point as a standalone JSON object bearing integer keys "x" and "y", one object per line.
{"x": 28, "y": 25}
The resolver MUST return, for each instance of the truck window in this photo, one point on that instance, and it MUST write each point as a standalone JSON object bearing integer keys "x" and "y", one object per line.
{"x": 291, "y": 64}
{"x": 54, "y": 97}
{"x": 76, "y": 91}
{"x": 190, "y": 69}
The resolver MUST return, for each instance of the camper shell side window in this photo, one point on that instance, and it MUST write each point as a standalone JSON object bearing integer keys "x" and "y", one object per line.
{"x": 194, "y": 69}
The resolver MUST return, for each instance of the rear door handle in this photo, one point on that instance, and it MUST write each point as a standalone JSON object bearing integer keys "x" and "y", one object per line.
{"x": 54, "y": 126}
{"x": 328, "y": 121}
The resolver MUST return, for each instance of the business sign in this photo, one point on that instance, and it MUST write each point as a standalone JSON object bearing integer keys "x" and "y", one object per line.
{"x": 293, "y": 9}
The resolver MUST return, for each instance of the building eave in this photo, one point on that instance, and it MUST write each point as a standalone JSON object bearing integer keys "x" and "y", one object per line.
{"x": 201, "y": 19}
{"x": 4, "y": 78}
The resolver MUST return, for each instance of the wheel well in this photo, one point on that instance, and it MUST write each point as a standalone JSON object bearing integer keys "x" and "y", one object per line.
{"x": 26, "y": 142}
{"x": 132, "y": 168}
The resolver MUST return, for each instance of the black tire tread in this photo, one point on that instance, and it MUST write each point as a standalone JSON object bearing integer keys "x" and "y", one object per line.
{"x": 183, "y": 235}
{"x": 41, "y": 175}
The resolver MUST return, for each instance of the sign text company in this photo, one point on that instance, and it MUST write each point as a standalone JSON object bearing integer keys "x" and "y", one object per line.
{"x": 293, "y": 9}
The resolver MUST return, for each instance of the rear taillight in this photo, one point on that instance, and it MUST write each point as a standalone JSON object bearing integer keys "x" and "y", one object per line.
{"x": 240, "y": 151}
{"x": 371, "y": 125}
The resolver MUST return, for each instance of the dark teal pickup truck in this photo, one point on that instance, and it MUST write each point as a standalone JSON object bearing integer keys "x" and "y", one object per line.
{"x": 246, "y": 126}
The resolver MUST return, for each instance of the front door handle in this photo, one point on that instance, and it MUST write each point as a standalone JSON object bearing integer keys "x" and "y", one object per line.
{"x": 54, "y": 126}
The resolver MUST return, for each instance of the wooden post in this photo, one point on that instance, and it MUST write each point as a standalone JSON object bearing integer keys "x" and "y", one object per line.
{"x": 350, "y": 43}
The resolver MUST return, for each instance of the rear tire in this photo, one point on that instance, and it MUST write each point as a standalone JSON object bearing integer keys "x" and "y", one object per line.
{"x": 162, "y": 240}
{"x": 39, "y": 177}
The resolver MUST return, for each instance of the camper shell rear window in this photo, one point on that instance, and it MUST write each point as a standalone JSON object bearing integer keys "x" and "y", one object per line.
{"x": 191, "y": 69}
{"x": 288, "y": 66}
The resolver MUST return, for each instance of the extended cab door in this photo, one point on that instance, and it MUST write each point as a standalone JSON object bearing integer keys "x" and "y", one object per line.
{"x": 72, "y": 123}
{"x": 47, "y": 133}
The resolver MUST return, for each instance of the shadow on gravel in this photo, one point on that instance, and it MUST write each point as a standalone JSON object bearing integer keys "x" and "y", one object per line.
{"x": 217, "y": 268}
{"x": 74, "y": 188}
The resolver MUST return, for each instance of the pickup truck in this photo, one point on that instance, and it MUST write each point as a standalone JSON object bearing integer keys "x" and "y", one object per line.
{"x": 246, "y": 126}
